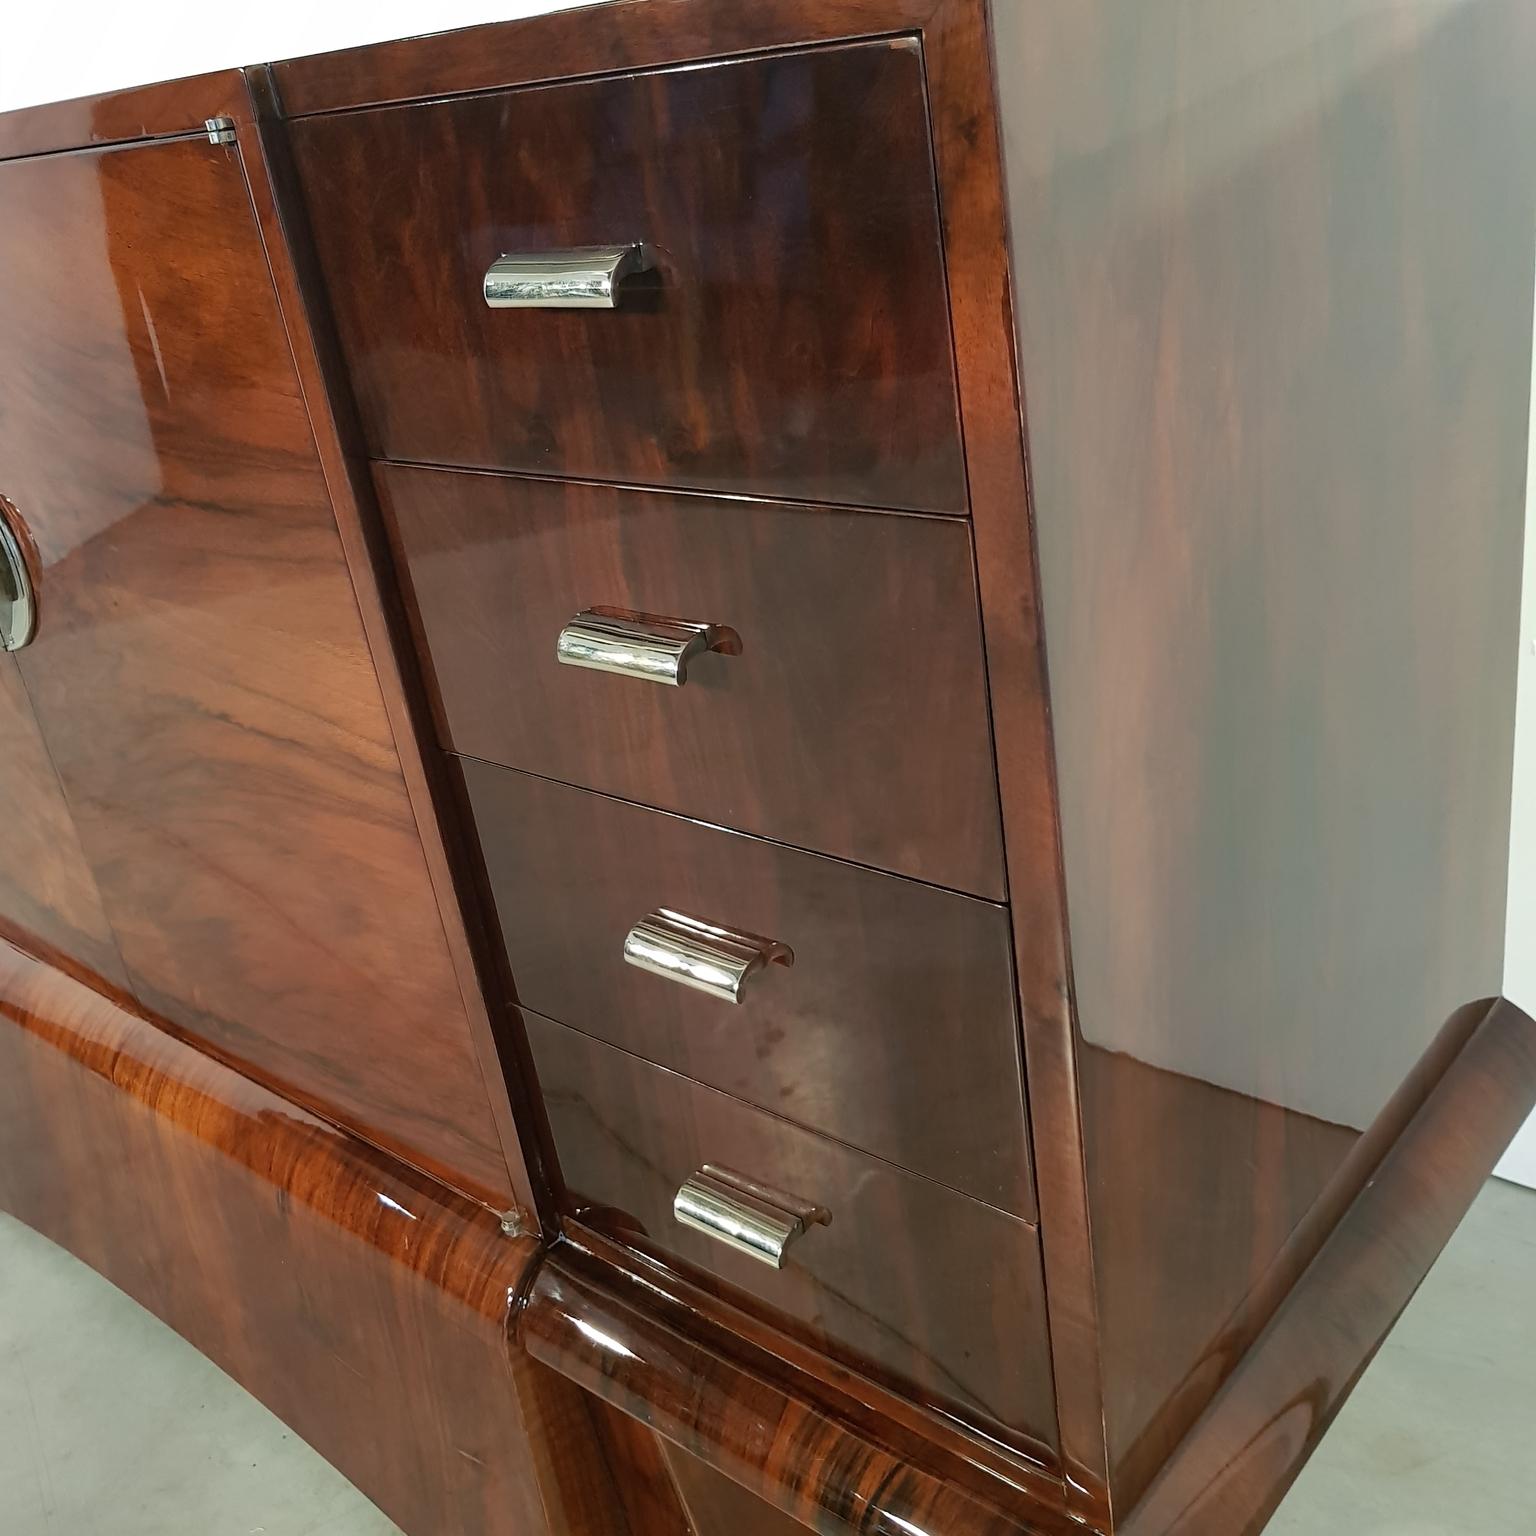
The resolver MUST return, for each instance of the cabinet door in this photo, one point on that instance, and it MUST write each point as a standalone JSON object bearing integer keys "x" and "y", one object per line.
{"x": 199, "y": 668}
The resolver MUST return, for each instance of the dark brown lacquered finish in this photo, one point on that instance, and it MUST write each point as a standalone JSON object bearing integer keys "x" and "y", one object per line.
{"x": 365, "y": 1305}
{"x": 48, "y": 897}
{"x": 792, "y": 340}
{"x": 765, "y": 1436}
{"x": 954, "y": 1309}
{"x": 1403, "y": 1196}
{"x": 144, "y": 112}
{"x": 200, "y": 673}
{"x": 1274, "y": 331}
{"x": 858, "y": 660}
{"x": 894, "y": 1029}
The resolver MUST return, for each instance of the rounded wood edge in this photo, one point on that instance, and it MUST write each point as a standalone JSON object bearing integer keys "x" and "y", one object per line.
{"x": 460, "y": 1246}
{"x": 776, "y": 1442}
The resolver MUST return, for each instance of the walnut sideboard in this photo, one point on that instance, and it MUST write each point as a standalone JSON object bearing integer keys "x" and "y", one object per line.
{"x": 757, "y": 758}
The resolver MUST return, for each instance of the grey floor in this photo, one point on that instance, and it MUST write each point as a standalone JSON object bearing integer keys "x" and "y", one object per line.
{"x": 110, "y": 1425}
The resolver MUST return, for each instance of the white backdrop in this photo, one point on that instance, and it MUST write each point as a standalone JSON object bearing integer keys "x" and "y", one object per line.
{"x": 52, "y": 51}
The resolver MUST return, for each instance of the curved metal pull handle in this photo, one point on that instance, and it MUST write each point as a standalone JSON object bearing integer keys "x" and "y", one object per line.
{"x": 585, "y": 278}
{"x": 718, "y": 961}
{"x": 18, "y": 599}
{"x": 752, "y": 1218}
{"x": 640, "y": 645}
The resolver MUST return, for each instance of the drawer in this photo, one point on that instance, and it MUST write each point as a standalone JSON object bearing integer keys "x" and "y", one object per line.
{"x": 853, "y": 720}
{"x": 894, "y": 1029}
{"x": 791, "y": 338}
{"x": 942, "y": 1295}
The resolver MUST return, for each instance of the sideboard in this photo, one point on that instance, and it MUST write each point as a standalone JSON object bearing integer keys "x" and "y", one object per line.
{"x": 758, "y": 758}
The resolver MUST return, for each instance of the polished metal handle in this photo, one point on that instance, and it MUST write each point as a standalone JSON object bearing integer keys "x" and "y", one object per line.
{"x": 586, "y": 278}
{"x": 718, "y": 961}
{"x": 18, "y": 600}
{"x": 752, "y": 1218}
{"x": 641, "y": 645}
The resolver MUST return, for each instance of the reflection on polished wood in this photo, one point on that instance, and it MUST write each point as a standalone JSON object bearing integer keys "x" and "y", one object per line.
{"x": 1344, "y": 1279}
{"x": 952, "y": 1314}
{"x": 1260, "y": 280}
{"x": 48, "y": 896}
{"x": 792, "y": 339}
{"x": 365, "y": 1305}
{"x": 741, "y": 1421}
{"x": 1273, "y": 300}
{"x": 894, "y": 1030}
{"x": 200, "y": 674}
{"x": 855, "y": 659}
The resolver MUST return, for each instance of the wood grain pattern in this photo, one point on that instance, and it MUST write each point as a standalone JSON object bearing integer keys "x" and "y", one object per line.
{"x": 742, "y": 1420}
{"x": 793, "y": 339}
{"x": 860, "y": 661}
{"x": 954, "y": 1313}
{"x": 1405, "y": 1196}
{"x": 48, "y": 898}
{"x": 279, "y": 209}
{"x": 1275, "y": 334}
{"x": 598, "y": 39}
{"x": 365, "y": 1305}
{"x": 200, "y": 675}
{"x": 958, "y": 56}
{"x": 894, "y": 1029}
{"x": 161, "y": 110}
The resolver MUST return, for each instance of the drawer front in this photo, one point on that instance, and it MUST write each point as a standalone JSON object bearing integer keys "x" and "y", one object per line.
{"x": 853, "y": 720}
{"x": 942, "y": 1295}
{"x": 894, "y": 1028}
{"x": 791, "y": 339}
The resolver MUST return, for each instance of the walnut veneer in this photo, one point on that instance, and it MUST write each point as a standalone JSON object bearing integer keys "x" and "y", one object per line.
{"x": 1115, "y": 1048}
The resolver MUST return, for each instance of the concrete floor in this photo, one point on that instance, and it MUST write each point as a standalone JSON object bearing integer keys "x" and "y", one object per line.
{"x": 110, "y": 1425}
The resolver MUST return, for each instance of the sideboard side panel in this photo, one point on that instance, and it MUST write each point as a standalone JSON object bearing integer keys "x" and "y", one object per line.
{"x": 1273, "y": 288}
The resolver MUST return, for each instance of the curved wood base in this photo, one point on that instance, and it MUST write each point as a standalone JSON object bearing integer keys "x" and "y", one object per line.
{"x": 473, "y": 1384}
{"x": 366, "y": 1305}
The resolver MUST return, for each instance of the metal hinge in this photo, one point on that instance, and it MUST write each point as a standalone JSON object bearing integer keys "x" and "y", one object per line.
{"x": 512, "y": 1223}
{"x": 221, "y": 130}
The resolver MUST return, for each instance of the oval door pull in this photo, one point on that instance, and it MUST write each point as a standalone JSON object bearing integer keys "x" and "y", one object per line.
{"x": 18, "y": 599}
{"x": 718, "y": 961}
{"x": 588, "y": 277}
{"x": 752, "y": 1218}
{"x": 642, "y": 645}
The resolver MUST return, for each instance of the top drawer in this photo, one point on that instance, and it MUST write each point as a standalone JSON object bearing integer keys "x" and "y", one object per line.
{"x": 792, "y": 339}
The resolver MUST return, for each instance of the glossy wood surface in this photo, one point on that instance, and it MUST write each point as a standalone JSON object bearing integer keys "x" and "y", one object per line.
{"x": 954, "y": 1311}
{"x": 959, "y": 59}
{"x": 893, "y": 1030}
{"x": 1273, "y": 291}
{"x": 596, "y": 39}
{"x": 164, "y": 109}
{"x": 859, "y": 661}
{"x": 200, "y": 675}
{"x": 744, "y": 1421}
{"x": 363, "y": 1304}
{"x": 280, "y": 214}
{"x": 793, "y": 339}
{"x": 49, "y": 902}
{"x": 1406, "y": 1197}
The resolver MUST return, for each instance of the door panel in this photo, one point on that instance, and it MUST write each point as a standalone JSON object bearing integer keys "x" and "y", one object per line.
{"x": 200, "y": 671}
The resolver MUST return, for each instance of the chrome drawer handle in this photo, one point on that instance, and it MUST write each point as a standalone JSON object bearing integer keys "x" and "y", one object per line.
{"x": 18, "y": 601}
{"x": 752, "y": 1218}
{"x": 586, "y": 278}
{"x": 641, "y": 645}
{"x": 718, "y": 961}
